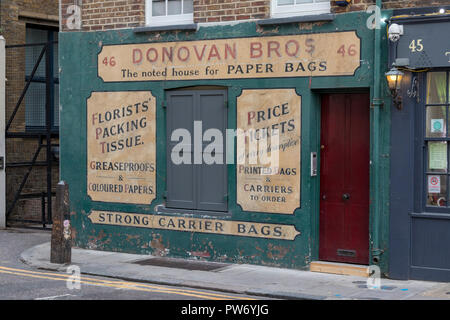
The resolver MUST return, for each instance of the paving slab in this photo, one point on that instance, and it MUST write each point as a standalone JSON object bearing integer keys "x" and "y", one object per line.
{"x": 277, "y": 283}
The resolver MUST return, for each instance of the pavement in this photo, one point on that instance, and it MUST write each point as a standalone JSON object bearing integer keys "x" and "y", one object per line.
{"x": 275, "y": 283}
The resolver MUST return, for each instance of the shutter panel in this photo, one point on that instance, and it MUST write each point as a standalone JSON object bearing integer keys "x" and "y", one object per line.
{"x": 180, "y": 114}
{"x": 211, "y": 179}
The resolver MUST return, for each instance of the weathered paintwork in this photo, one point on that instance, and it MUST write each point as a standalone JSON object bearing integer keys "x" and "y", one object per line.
{"x": 79, "y": 77}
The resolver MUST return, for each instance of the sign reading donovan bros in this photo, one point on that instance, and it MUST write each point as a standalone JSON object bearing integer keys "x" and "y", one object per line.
{"x": 121, "y": 147}
{"x": 321, "y": 54}
{"x": 216, "y": 226}
{"x": 268, "y": 175}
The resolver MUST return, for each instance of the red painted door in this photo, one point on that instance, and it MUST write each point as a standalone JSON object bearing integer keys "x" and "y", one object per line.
{"x": 344, "y": 178}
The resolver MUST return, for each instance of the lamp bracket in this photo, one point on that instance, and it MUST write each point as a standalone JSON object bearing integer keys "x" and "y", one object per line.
{"x": 412, "y": 92}
{"x": 376, "y": 102}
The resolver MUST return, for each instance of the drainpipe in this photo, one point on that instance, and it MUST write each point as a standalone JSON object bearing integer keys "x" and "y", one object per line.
{"x": 377, "y": 103}
{"x": 2, "y": 134}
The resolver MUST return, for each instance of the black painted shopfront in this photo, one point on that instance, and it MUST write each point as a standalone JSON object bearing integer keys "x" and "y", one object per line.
{"x": 420, "y": 149}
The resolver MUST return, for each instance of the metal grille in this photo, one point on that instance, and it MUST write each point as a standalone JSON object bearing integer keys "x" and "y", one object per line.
{"x": 182, "y": 264}
{"x": 32, "y": 129}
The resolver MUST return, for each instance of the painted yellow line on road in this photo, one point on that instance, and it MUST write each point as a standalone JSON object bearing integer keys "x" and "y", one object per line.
{"x": 119, "y": 284}
{"x": 131, "y": 284}
{"x": 110, "y": 285}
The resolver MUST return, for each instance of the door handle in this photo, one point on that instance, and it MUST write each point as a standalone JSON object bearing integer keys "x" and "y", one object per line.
{"x": 345, "y": 196}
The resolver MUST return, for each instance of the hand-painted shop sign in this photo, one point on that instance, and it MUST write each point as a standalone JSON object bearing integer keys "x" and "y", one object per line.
{"x": 121, "y": 147}
{"x": 268, "y": 159}
{"x": 188, "y": 224}
{"x": 322, "y": 54}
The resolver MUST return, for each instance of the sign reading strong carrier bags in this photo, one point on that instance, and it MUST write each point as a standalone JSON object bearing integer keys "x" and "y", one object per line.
{"x": 263, "y": 185}
{"x": 121, "y": 147}
{"x": 188, "y": 224}
{"x": 322, "y": 54}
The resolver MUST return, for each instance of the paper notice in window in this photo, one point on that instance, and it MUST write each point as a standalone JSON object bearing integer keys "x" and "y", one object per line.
{"x": 437, "y": 155}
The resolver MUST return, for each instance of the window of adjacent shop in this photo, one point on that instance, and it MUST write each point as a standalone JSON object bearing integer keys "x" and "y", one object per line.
{"x": 35, "y": 98}
{"x": 437, "y": 141}
{"x": 289, "y": 8}
{"x": 196, "y": 183}
{"x": 168, "y": 12}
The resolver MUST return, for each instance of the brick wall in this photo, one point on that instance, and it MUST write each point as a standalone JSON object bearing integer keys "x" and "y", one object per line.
{"x": 14, "y": 15}
{"x": 100, "y": 15}
{"x": 358, "y": 5}
{"x": 116, "y": 14}
{"x": 109, "y": 14}
{"x": 15, "y": 12}
{"x": 230, "y": 10}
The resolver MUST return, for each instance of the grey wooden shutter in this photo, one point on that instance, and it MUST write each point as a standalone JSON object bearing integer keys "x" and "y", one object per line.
{"x": 196, "y": 186}
{"x": 180, "y": 114}
{"x": 212, "y": 179}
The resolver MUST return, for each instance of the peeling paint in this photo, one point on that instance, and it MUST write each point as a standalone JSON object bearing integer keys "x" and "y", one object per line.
{"x": 276, "y": 252}
{"x": 305, "y": 26}
{"x": 132, "y": 237}
{"x": 159, "y": 249}
{"x": 263, "y": 31}
{"x": 200, "y": 254}
{"x": 155, "y": 37}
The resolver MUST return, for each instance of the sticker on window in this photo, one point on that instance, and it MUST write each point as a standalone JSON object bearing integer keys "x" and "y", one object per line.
{"x": 437, "y": 125}
{"x": 434, "y": 184}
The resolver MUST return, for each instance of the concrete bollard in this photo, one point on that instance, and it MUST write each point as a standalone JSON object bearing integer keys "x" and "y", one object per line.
{"x": 61, "y": 243}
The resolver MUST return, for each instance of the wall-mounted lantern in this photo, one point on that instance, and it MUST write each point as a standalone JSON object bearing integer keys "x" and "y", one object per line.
{"x": 394, "y": 78}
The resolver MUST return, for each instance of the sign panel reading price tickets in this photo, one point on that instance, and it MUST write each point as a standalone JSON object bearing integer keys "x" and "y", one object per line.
{"x": 322, "y": 54}
{"x": 264, "y": 186}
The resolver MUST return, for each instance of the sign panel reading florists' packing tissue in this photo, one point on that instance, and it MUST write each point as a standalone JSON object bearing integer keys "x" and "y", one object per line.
{"x": 321, "y": 54}
{"x": 121, "y": 147}
{"x": 268, "y": 158}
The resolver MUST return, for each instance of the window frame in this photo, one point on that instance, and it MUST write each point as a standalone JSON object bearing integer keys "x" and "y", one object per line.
{"x": 424, "y": 146}
{"x": 303, "y": 9}
{"x": 166, "y": 20}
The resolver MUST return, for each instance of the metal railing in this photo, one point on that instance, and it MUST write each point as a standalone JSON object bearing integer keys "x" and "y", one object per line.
{"x": 44, "y": 138}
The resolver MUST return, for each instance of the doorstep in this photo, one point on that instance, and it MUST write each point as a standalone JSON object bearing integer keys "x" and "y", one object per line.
{"x": 339, "y": 268}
